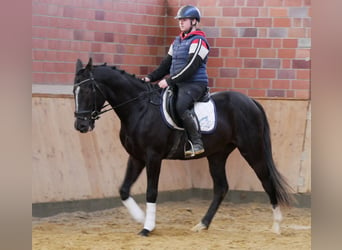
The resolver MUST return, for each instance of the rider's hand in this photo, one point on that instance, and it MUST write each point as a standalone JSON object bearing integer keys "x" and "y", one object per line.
{"x": 163, "y": 84}
{"x": 146, "y": 79}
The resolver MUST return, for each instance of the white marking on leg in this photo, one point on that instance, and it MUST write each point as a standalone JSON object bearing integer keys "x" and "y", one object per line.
{"x": 134, "y": 210}
{"x": 150, "y": 220}
{"x": 277, "y": 218}
{"x": 199, "y": 227}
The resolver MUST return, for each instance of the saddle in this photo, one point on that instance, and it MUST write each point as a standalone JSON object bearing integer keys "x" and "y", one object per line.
{"x": 204, "y": 109}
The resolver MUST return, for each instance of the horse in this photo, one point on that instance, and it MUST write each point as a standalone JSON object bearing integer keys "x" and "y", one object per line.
{"x": 241, "y": 124}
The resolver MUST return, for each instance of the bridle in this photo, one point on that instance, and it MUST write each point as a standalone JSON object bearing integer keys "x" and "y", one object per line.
{"x": 95, "y": 114}
{"x": 91, "y": 114}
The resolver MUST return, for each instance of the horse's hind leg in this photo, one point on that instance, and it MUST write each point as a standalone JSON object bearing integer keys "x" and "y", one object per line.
{"x": 255, "y": 158}
{"x": 217, "y": 166}
{"x": 134, "y": 169}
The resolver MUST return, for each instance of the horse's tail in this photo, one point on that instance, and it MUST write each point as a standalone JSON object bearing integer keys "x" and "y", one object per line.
{"x": 282, "y": 189}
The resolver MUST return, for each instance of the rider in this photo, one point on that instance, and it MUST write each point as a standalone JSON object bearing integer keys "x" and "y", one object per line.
{"x": 185, "y": 64}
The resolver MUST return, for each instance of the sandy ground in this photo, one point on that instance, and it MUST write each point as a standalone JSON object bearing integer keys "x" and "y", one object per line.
{"x": 235, "y": 226}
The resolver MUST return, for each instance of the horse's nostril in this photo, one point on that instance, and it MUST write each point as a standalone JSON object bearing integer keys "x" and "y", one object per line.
{"x": 81, "y": 127}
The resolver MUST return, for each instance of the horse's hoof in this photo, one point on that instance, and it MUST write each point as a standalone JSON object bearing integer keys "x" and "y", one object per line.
{"x": 199, "y": 227}
{"x": 276, "y": 228}
{"x": 144, "y": 232}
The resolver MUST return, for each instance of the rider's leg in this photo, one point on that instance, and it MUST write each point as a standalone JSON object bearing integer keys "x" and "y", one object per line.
{"x": 187, "y": 95}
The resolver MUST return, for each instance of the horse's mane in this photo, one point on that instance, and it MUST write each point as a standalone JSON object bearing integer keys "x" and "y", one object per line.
{"x": 119, "y": 70}
{"x": 133, "y": 76}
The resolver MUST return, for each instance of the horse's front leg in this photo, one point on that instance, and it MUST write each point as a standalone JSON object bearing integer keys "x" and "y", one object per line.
{"x": 134, "y": 168}
{"x": 152, "y": 171}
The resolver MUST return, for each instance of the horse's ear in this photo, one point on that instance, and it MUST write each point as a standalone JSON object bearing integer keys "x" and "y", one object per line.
{"x": 90, "y": 64}
{"x": 79, "y": 65}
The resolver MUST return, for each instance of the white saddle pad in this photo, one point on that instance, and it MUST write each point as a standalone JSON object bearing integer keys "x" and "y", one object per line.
{"x": 205, "y": 112}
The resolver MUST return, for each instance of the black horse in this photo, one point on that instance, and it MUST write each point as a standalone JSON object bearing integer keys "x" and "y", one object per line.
{"x": 241, "y": 123}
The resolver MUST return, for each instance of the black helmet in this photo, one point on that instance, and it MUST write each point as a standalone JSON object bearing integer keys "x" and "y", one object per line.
{"x": 188, "y": 11}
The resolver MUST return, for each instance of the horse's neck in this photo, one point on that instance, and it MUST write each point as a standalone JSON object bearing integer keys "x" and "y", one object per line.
{"x": 126, "y": 97}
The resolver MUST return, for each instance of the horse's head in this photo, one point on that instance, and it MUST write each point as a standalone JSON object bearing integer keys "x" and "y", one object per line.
{"x": 88, "y": 98}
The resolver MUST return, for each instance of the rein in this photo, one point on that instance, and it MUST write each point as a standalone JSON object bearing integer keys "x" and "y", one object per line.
{"x": 95, "y": 115}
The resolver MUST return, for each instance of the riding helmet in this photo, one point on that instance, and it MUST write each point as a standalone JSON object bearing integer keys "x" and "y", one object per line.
{"x": 189, "y": 11}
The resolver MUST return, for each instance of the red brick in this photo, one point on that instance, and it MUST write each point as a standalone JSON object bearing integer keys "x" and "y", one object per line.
{"x": 290, "y": 93}
{"x": 266, "y": 73}
{"x": 267, "y": 53}
{"x": 297, "y": 22}
{"x": 252, "y": 63}
{"x": 243, "y": 42}
{"x": 208, "y": 3}
{"x": 301, "y": 64}
{"x": 228, "y": 72}
{"x": 300, "y": 84}
{"x": 229, "y": 32}
{"x": 215, "y": 62}
{"x": 286, "y": 64}
{"x": 243, "y": 83}
{"x": 240, "y": 3}
{"x": 263, "y": 12}
{"x": 286, "y": 74}
{"x": 281, "y": 84}
{"x": 262, "y": 43}
{"x": 214, "y": 52}
{"x": 225, "y": 21}
{"x": 263, "y": 22}
{"x": 271, "y": 63}
{"x": 290, "y": 43}
{"x": 68, "y": 11}
{"x": 253, "y": 12}
{"x": 273, "y": 2}
{"x": 229, "y": 52}
{"x": 231, "y": 11}
{"x": 224, "y": 42}
{"x": 210, "y": 12}
{"x": 247, "y": 52}
{"x": 303, "y": 53}
{"x": 303, "y": 74}
{"x": 275, "y": 93}
{"x": 276, "y": 43}
{"x": 293, "y": 3}
{"x": 224, "y": 82}
{"x": 282, "y": 22}
{"x": 302, "y": 94}
{"x": 244, "y": 22}
{"x": 297, "y": 32}
{"x": 209, "y": 21}
{"x": 286, "y": 53}
{"x": 247, "y": 73}
{"x": 233, "y": 62}
{"x": 211, "y": 71}
{"x": 226, "y": 3}
{"x": 258, "y": 3}
{"x": 256, "y": 92}
{"x": 261, "y": 83}
{"x": 248, "y": 32}
{"x": 279, "y": 12}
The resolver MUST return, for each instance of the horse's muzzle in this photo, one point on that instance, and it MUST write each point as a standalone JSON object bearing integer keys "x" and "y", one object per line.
{"x": 84, "y": 126}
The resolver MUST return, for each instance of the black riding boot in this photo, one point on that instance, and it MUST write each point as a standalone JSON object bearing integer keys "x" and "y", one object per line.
{"x": 191, "y": 126}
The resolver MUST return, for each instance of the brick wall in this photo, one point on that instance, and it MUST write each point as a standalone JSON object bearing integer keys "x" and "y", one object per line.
{"x": 125, "y": 33}
{"x": 258, "y": 47}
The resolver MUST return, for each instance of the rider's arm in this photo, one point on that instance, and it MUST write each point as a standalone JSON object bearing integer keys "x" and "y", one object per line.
{"x": 163, "y": 69}
{"x": 197, "y": 53}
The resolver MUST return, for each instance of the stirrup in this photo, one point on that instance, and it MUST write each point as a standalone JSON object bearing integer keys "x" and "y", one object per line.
{"x": 191, "y": 152}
